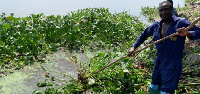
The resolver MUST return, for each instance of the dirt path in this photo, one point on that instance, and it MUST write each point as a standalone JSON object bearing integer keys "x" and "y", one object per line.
{"x": 25, "y": 81}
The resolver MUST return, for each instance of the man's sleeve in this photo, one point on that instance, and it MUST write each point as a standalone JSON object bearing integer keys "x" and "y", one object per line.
{"x": 143, "y": 36}
{"x": 195, "y": 31}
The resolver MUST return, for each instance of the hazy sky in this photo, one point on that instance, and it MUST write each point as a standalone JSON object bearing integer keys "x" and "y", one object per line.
{"x": 62, "y": 7}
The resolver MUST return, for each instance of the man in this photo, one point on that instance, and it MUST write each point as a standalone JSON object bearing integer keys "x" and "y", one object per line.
{"x": 168, "y": 64}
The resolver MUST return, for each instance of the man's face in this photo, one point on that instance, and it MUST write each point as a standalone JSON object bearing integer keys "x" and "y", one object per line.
{"x": 165, "y": 11}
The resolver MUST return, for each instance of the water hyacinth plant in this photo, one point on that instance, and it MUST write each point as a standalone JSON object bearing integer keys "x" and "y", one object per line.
{"x": 28, "y": 38}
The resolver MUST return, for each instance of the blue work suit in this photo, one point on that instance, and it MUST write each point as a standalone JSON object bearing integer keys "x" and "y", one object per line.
{"x": 168, "y": 63}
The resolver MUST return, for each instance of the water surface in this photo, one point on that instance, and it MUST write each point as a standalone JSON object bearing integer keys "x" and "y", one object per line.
{"x": 62, "y": 7}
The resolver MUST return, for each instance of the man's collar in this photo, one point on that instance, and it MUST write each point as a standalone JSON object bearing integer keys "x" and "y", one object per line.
{"x": 174, "y": 17}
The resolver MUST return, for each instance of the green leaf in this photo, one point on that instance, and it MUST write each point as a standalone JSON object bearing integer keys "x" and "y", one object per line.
{"x": 96, "y": 89}
{"x": 108, "y": 83}
{"x": 37, "y": 92}
{"x": 43, "y": 84}
{"x": 6, "y": 26}
{"x": 140, "y": 92}
{"x": 121, "y": 74}
{"x": 43, "y": 68}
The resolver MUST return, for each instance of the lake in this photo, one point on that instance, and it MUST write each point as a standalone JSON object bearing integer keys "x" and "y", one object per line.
{"x": 22, "y": 8}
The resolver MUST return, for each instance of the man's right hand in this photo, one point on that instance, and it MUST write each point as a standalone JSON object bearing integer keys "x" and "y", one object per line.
{"x": 131, "y": 52}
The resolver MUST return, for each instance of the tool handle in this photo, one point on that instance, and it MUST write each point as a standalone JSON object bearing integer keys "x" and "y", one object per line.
{"x": 111, "y": 64}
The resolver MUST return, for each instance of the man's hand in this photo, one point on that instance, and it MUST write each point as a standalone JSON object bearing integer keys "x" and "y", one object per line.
{"x": 131, "y": 51}
{"x": 181, "y": 32}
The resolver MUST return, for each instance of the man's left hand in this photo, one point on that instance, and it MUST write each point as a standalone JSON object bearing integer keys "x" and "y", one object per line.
{"x": 181, "y": 32}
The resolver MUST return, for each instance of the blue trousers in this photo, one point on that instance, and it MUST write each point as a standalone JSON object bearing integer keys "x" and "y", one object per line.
{"x": 166, "y": 74}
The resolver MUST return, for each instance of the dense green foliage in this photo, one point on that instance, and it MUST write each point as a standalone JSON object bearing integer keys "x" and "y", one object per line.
{"x": 150, "y": 12}
{"x": 25, "y": 39}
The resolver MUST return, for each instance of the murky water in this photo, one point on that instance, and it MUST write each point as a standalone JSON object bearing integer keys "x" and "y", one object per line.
{"x": 25, "y": 81}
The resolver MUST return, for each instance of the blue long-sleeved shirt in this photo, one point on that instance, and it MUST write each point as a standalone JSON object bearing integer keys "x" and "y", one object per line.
{"x": 170, "y": 48}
